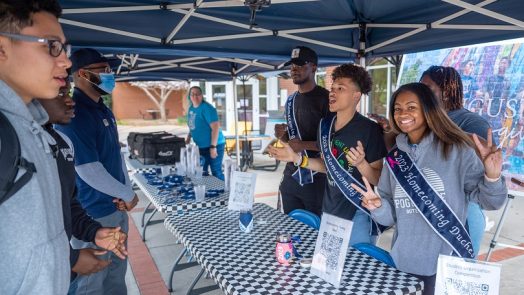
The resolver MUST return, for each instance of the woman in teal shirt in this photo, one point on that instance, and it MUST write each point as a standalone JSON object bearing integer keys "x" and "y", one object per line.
{"x": 204, "y": 128}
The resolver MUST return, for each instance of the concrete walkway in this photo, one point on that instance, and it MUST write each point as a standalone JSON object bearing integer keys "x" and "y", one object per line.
{"x": 151, "y": 262}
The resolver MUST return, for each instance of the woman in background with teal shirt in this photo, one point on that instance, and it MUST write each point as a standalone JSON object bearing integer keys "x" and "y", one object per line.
{"x": 204, "y": 128}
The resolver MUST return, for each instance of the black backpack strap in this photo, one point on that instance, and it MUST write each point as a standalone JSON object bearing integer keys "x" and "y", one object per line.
{"x": 11, "y": 159}
{"x": 30, "y": 169}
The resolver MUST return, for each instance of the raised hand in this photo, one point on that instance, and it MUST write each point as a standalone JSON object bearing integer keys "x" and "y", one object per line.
{"x": 112, "y": 239}
{"x": 490, "y": 155}
{"x": 356, "y": 155}
{"x": 370, "y": 200}
{"x": 284, "y": 153}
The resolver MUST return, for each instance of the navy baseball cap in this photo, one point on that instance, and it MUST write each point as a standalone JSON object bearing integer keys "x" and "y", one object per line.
{"x": 302, "y": 55}
{"x": 88, "y": 56}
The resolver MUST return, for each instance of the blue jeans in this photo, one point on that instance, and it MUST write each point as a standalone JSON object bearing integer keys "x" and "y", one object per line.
{"x": 476, "y": 225}
{"x": 110, "y": 280}
{"x": 73, "y": 286}
{"x": 216, "y": 163}
{"x": 361, "y": 232}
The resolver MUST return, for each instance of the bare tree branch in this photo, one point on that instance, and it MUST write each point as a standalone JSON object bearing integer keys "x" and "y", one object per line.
{"x": 159, "y": 92}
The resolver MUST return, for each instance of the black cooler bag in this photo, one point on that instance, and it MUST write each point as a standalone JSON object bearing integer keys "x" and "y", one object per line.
{"x": 155, "y": 148}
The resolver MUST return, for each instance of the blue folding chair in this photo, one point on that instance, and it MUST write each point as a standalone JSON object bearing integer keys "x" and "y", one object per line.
{"x": 375, "y": 252}
{"x": 304, "y": 216}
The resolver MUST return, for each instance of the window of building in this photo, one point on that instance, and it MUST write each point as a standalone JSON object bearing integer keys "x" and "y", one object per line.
{"x": 384, "y": 79}
{"x": 262, "y": 98}
{"x": 219, "y": 100}
{"x": 202, "y": 86}
{"x": 320, "y": 77}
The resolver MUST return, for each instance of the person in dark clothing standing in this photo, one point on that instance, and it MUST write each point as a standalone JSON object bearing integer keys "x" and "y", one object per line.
{"x": 76, "y": 221}
{"x": 303, "y": 188}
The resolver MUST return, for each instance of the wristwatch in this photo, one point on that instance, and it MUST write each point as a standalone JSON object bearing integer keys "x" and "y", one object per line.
{"x": 212, "y": 146}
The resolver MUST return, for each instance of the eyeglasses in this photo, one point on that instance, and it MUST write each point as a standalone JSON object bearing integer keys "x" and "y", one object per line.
{"x": 106, "y": 69}
{"x": 55, "y": 46}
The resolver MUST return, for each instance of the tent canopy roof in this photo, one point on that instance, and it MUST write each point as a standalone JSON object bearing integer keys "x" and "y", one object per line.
{"x": 334, "y": 28}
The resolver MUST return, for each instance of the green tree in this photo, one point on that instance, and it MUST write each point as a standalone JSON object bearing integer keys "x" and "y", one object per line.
{"x": 411, "y": 75}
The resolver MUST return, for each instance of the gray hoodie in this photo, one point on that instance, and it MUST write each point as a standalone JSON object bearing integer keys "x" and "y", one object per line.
{"x": 34, "y": 249}
{"x": 458, "y": 179}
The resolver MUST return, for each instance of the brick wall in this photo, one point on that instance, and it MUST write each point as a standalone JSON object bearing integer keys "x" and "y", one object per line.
{"x": 130, "y": 101}
{"x": 288, "y": 84}
{"x": 328, "y": 77}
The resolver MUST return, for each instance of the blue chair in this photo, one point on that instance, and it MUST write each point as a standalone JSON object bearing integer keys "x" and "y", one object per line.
{"x": 304, "y": 216}
{"x": 375, "y": 252}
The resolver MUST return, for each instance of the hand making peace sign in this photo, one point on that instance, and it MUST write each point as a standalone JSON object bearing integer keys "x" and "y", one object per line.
{"x": 490, "y": 156}
{"x": 370, "y": 200}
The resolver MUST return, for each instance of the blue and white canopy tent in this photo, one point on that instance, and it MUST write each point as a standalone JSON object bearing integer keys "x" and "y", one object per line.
{"x": 336, "y": 29}
{"x": 209, "y": 38}
{"x": 217, "y": 39}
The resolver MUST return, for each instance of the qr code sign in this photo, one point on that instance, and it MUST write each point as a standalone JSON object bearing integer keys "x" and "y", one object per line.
{"x": 455, "y": 286}
{"x": 330, "y": 248}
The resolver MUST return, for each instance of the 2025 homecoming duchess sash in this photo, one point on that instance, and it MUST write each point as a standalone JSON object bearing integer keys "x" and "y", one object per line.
{"x": 342, "y": 178}
{"x": 301, "y": 175}
{"x": 433, "y": 208}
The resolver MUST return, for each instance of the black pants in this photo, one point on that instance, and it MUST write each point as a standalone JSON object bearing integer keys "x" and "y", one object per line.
{"x": 429, "y": 283}
{"x": 308, "y": 196}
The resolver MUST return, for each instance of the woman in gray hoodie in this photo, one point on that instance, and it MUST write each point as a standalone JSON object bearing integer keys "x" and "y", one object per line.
{"x": 434, "y": 170}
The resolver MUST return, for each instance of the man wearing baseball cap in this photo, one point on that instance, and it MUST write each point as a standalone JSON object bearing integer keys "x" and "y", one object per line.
{"x": 302, "y": 188}
{"x": 102, "y": 178}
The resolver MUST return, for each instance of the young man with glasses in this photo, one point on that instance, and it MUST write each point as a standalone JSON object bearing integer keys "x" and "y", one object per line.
{"x": 33, "y": 63}
{"x": 102, "y": 179}
{"x": 303, "y": 188}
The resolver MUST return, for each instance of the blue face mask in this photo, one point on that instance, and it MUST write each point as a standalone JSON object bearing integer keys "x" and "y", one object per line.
{"x": 107, "y": 82}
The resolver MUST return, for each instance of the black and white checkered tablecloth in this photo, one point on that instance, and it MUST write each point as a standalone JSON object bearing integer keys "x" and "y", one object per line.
{"x": 161, "y": 205}
{"x": 244, "y": 263}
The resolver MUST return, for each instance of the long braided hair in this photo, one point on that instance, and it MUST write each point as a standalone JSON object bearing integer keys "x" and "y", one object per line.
{"x": 450, "y": 84}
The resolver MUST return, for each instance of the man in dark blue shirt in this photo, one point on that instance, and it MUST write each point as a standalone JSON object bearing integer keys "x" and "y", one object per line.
{"x": 101, "y": 175}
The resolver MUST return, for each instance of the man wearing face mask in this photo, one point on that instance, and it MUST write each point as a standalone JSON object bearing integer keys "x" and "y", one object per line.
{"x": 102, "y": 179}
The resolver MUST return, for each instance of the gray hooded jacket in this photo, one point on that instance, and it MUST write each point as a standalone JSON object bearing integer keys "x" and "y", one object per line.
{"x": 34, "y": 248}
{"x": 459, "y": 179}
